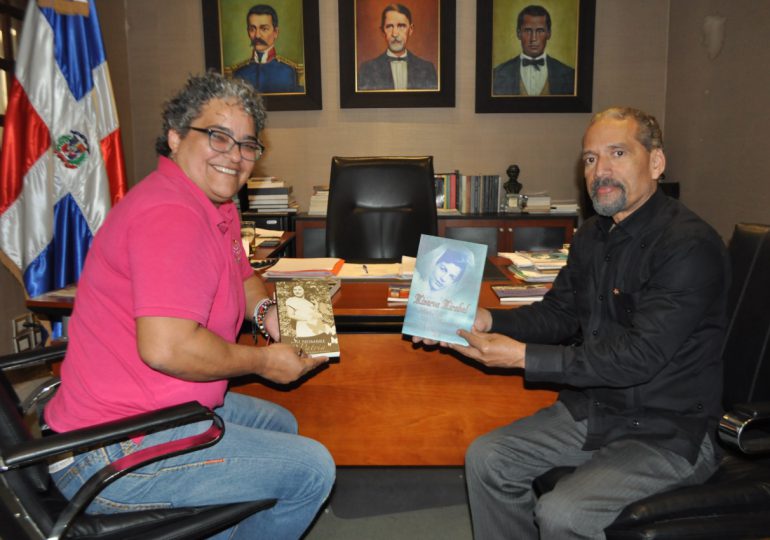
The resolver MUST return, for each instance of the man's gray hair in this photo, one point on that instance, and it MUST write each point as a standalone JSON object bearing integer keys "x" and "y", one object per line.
{"x": 181, "y": 110}
{"x": 648, "y": 133}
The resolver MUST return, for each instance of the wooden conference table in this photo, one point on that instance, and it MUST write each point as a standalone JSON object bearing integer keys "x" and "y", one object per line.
{"x": 387, "y": 402}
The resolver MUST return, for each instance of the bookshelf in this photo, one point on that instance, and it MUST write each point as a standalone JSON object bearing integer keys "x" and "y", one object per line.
{"x": 500, "y": 232}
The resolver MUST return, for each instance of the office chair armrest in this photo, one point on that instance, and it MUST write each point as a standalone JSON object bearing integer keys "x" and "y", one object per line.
{"x": 33, "y": 356}
{"x": 165, "y": 418}
{"x": 36, "y": 450}
{"x": 747, "y": 427}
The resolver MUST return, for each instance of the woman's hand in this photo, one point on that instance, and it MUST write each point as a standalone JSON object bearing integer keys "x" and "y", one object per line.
{"x": 284, "y": 364}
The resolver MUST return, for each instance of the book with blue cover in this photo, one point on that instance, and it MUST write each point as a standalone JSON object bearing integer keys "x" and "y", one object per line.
{"x": 444, "y": 292}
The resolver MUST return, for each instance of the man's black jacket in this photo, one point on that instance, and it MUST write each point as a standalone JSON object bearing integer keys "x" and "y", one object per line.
{"x": 643, "y": 305}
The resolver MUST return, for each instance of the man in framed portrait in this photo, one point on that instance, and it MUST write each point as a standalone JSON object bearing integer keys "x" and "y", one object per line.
{"x": 265, "y": 70}
{"x": 533, "y": 72}
{"x": 397, "y": 68}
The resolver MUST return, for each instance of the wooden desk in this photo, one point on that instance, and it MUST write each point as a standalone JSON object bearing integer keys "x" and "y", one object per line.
{"x": 387, "y": 402}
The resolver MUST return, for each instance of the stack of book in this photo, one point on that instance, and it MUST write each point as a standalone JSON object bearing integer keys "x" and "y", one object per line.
{"x": 519, "y": 294}
{"x": 319, "y": 201}
{"x": 536, "y": 266}
{"x": 270, "y": 195}
{"x": 538, "y": 202}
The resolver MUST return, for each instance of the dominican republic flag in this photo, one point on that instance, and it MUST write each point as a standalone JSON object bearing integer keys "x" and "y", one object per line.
{"x": 61, "y": 167}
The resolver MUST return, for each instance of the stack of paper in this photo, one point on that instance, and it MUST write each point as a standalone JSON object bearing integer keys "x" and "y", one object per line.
{"x": 319, "y": 201}
{"x": 402, "y": 270}
{"x": 287, "y": 267}
{"x": 536, "y": 266}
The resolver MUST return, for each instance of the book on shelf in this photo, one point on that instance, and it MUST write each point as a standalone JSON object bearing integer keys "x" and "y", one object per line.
{"x": 288, "y": 267}
{"x": 446, "y": 190}
{"x": 305, "y": 316}
{"x": 444, "y": 291}
{"x": 519, "y": 293}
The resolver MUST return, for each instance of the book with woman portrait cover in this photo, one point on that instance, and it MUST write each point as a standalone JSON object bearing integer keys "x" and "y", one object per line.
{"x": 305, "y": 316}
{"x": 444, "y": 292}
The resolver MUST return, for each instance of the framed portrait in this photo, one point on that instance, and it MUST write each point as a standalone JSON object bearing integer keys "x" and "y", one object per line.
{"x": 402, "y": 57}
{"x": 534, "y": 55}
{"x": 272, "y": 44}
{"x": 22, "y": 343}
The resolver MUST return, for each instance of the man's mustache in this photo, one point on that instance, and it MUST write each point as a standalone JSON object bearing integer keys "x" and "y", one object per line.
{"x": 604, "y": 181}
{"x": 258, "y": 41}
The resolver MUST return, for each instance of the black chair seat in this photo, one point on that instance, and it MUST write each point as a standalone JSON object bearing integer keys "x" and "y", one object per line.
{"x": 31, "y": 507}
{"x": 192, "y": 522}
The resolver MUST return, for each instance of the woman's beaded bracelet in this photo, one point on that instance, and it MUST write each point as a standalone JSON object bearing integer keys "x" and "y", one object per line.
{"x": 259, "y": 318}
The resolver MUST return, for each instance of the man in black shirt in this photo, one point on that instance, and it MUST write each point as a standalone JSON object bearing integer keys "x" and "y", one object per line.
{"x": 633, "y": 328}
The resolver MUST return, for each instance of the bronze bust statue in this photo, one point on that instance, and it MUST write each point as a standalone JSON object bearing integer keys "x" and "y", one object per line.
{"x": 512, "y": 185}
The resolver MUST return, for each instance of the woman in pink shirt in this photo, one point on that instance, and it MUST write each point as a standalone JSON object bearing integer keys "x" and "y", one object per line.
{"x": 163, "y": 294}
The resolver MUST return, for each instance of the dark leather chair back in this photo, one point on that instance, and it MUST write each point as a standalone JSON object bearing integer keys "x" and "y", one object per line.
{"x": 379, "y": 207}
{"x": 746, "y": 354}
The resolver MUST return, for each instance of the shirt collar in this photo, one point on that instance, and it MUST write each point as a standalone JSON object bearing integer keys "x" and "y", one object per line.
{"x": 221, "y": 216}
{"x": 391, "y": 55}
{"x": 543, "y": 56}
{"x": 267, "y": 56}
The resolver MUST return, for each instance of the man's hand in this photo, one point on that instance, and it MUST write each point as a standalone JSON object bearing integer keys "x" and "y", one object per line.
{"x": 284, "y": 364}
{"x": 493, "y": 350}
{"x": 482, "y": 323}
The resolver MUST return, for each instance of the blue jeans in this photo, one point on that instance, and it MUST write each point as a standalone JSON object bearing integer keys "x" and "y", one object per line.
{"x": 259, "y": 457}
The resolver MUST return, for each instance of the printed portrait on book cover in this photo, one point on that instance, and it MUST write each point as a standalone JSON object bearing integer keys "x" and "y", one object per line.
{"x": 444, "y": 289}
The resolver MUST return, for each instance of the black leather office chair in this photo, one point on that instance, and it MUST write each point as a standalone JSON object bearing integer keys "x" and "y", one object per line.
{"x": 379, "y": 207}
{"x": 32, "y": 508}
{"x": 735, "y": 501}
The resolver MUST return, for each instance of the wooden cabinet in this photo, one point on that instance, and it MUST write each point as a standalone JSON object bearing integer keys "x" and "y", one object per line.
{"x": 500, "y": 232}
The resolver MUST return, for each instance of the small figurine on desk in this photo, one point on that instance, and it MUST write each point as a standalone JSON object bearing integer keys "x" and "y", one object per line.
{"x": 513, "y": 185}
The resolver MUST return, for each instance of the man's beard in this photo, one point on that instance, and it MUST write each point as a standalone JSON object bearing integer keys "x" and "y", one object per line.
{"x": 611, "y": 207}
{"x": 258, "y": 41}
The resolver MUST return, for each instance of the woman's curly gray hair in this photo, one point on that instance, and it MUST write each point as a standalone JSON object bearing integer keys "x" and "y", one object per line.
{"x": 180, "y": 111}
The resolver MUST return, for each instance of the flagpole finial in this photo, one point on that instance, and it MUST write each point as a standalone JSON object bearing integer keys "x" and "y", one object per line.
{"x": 66, "y": 7}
